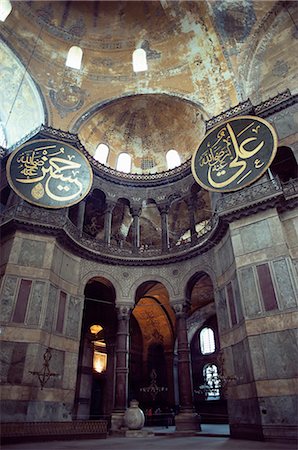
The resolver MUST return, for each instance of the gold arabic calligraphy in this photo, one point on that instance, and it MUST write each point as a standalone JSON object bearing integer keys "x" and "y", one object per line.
{"x": 46, "y": 163}
{"x": 230, "y": 151}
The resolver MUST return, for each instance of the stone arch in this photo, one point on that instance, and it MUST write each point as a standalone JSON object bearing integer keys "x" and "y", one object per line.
{"x": 84, "y": 117}
{"x": 22, "y": 103}
{"x": 100, "y": 275}
{"x": 156, "y": 278}
{"x": 264, "y": 40}
{"x": 190, "y": 277}
{"x": 284, "y": 164}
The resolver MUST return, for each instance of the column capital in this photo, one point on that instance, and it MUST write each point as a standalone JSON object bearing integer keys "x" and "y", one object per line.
{"x": 109, "y": 206}
{"x": 123, "y": 311}
{"x": 135, "y": 211}
{"x": 181, "y": 308}
{"x": 163, "y": 208}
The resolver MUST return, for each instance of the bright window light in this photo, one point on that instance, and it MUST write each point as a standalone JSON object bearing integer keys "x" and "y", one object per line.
{"x": 124, "y": 162}
{"x": 101, "y": 153}
{"x": 139, "y": 60}
{"x": 74, "y": 57}
{"x": 5, "y": 9}
{"x": 207, "y": 341}
{"x": 173, "y": 159}
{"x": 3, "y": 141}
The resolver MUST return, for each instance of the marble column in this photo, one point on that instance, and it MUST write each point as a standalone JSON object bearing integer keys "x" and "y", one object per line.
{"x": 108, "y": 222}
{"x": 165, "y": 242}
{"x": 136, "y": 212}
{"x": 81, "y": 216}
{"x": 121, "y": 369}
{"x": 192, "y": 221}
{"x": 187, "y": 420}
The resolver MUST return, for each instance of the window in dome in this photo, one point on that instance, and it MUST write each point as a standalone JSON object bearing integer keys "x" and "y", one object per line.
{"x": 139, "y": 60}
{"x": 101, "y": 153}
{"x": 5, "y": 9}
{"x": 207, "y": 341}
{"x": 74, "y": 57}
{"x": 124, "y": 162}
{"x": 173, "y": 159}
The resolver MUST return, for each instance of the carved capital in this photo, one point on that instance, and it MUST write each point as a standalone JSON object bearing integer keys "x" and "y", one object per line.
{"x": 135, "y": 211}
{"x": 109, "y": 206}
{"x": 164, "y": 208}
{"x": 181, "y": 308}
{"x": 123, "y": 312}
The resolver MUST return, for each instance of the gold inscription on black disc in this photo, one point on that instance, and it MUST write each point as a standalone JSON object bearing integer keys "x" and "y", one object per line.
{"x": 49, "y": 173}
{"x": 234, "y": 154}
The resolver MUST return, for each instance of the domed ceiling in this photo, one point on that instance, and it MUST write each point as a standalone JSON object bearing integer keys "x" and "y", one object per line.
{"x": 204, "y": 57}
{"x": 147, "y": 127}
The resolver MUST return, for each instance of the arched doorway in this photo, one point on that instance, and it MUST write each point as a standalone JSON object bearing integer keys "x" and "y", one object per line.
{"x": 151, "y": 357}
{"x": 95, "y": 375}
{"x": 209, "y": 397}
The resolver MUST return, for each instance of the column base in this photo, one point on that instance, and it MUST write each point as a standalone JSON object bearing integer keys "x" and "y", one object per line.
{"x": 117, "y": 423}
{"x": 188, "y": 422}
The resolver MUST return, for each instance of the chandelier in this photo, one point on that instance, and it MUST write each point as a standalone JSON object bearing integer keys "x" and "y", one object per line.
{"x": 45, "y": 374}
{"x": 153, "y": 389}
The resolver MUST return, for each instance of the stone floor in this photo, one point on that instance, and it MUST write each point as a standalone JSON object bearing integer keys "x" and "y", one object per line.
{"x": 212, "y": 437}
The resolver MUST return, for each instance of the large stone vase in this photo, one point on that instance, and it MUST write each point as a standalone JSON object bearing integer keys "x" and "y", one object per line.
{"x": 134, "y": 417}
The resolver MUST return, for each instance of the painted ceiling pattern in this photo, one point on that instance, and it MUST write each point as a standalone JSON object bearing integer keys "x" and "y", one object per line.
{"x": 204, "y": 57}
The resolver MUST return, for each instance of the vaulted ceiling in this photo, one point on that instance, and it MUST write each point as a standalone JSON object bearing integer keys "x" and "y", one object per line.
{"x": 204, "y": 57}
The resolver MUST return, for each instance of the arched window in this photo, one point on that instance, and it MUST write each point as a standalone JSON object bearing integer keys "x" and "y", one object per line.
{"x": 173, "y": 159}
{"x": 101, "y": 153}
{"x": 5, "y": 9}
{"x": 124, "y": 162}
{"x": 139, "y": 60}
{"x": 207, "y": 341}
{"x": 284, "y": 164}
{"x": 212, "y": 381}
{"x": 74, "y": 57}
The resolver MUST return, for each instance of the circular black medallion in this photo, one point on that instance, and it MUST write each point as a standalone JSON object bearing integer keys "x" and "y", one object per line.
{"x": 49, "y": 173}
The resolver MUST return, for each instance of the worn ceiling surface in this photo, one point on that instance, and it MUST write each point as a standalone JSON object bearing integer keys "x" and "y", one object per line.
{"x": 204, "y": 57}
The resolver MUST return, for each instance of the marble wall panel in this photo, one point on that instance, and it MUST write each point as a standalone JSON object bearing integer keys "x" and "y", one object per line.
{"x": 32, "y": 363}
{"x": 225, "y": 256}
{"x": 13, "y": 411}
{"x": 32, "y": 253}
{"x": 256, "y": 236}
{"x": 37, "y": 298}
{"x": 257, "y": 357}
{"x": 286, "y": 292}
{"x": 17, "y": 363}
{"x": 249, "y": 291}
{"x": 7, "y": 298}
{"x": 279, "y": 410}
{"x": 48, "y": 411}
{"x": 222, "y": 312}
{"x": 70, "y": 269}
{"x": 56, "y": 366}
{"x": 5, "y": 251}
{"x": 6, "y": 350}
{"x": 52, "y": 301}
{"x": 73, "y": 319}
{"x": 244, "y": 411}
{"x": 57, "y": 260}
{"x": 281, "y": 353}
{"x": 242, "y": 362}
{"x": 237, "y": 298}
